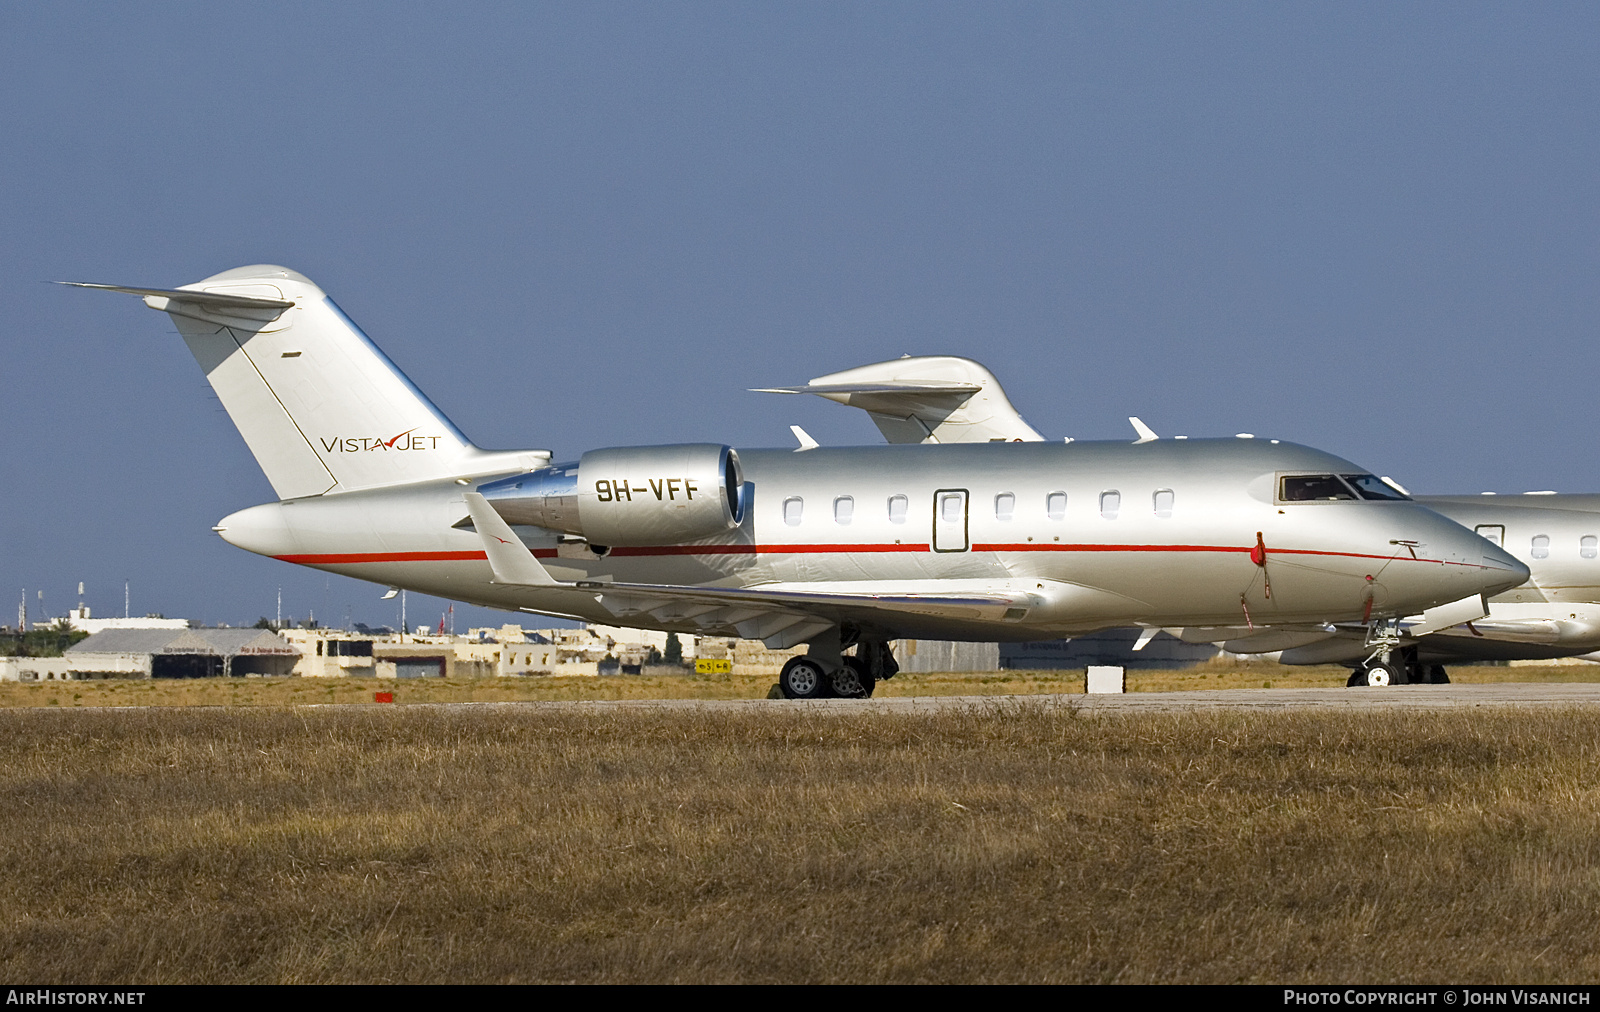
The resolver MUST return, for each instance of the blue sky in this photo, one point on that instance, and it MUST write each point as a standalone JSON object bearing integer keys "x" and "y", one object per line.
{"x": 1369, "y": 228}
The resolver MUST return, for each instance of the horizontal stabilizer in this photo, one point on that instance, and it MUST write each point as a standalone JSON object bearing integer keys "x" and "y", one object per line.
{"x": 908, "y": 387}
{"x": 218, "y": 299}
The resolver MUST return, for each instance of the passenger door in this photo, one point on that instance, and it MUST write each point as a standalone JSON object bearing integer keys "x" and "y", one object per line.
{"x": 950, "y": 520}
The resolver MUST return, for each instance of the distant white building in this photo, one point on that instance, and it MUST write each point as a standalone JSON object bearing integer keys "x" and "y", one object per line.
{"x": 181, "y": 653}
{"x": 79, "y": 619}
{"x": 35, "y": 669}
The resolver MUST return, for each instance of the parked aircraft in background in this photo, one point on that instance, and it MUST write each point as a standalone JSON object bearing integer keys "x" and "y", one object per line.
{"x": 1556, "y": 613}
{"x": 837, "y": 548}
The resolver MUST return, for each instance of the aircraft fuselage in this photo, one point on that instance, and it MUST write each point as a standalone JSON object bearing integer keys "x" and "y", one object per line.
{"x": 1100, "y": 534}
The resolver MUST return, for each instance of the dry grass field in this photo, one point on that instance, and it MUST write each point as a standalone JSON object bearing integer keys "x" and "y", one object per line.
{"x": 298, "y": 691}
{"x": 1004, "y": 842}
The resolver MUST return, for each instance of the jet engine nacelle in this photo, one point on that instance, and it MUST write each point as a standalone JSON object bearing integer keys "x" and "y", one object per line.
{"x": 629, "y": 495}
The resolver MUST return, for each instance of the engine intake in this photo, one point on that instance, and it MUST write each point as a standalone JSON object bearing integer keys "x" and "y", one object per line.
{"x": 630, "y": 495}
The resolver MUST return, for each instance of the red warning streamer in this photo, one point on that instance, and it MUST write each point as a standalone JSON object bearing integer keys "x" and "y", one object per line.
{"x": 1258, "y": 555}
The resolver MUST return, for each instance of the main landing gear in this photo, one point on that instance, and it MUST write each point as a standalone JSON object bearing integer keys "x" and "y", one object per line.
{"x": 1398, "y": 666}
{"x": 816, "y": 675}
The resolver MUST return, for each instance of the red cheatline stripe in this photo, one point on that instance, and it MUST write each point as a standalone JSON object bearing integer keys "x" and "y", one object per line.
{"x": 385, "y": 557}
{"x": 548, "y": 553}
{"x": 763, "y": 549}
{"x": 1055, "y": 547}
{"x": 687, "y": 550}
{"x": 810, "y": 549}
{"x": 1052, "y": 547}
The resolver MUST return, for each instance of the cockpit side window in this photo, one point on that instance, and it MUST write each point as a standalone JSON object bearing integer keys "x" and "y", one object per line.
{"x": 1370, "y": 486}
{"x": 1313, "y": 488}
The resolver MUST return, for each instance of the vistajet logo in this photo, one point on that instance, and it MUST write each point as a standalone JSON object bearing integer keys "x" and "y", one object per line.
{"x": 407, "y": 440}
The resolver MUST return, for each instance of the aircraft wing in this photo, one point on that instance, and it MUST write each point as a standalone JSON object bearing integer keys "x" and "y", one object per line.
{"x": 927, "y": 399}
{"x": 783, "y": 615}
{"x": 779, "y": 614}
{"x": 1522, "y": 630}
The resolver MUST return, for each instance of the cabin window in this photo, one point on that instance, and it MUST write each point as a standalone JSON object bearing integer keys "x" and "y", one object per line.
{"x": 897, "y": 509}
{"x": 1055, "y": 505}
{"x": 1163, "y": 503}
{"x": 793, "y": 507}
{"x": 1005, "y": 506}
{"x": 1541, "y": 546}
{"x": 1587, "y": 546}
{"x": 844, "y": 508}
{"x": 1110, "y": 503}
{"x": 951, "y": 507}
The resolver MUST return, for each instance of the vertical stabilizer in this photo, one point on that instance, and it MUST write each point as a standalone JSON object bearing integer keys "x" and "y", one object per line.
{"x": 320, "y": 406}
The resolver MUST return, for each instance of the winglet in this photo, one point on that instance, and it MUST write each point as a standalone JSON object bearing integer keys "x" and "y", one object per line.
{"x": 509, "y": 558}
{"x": 1146, "y": 434}
{"x": 806, "y": 442}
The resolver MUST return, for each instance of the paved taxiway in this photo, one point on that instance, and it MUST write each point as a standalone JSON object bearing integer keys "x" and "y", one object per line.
{"x": 1406, "y": 697}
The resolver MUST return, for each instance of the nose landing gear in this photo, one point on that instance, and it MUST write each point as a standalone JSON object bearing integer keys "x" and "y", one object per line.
{"x": 1396, "y": 665}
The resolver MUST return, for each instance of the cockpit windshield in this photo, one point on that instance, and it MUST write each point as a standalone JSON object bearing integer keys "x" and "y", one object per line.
{"x": 1372, "y": 487}
{"x": 1336, "y": 487}
{"x": 1314, "y": 488}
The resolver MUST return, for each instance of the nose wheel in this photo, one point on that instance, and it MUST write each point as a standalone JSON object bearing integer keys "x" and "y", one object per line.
{"x": 1398, "y": 667}
{"x": 1378, "y": 674}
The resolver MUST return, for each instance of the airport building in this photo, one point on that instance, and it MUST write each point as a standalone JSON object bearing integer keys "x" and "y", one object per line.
{"x": 168, "y": 648}
{"x": 182, "y": 653}
{"x": 943, "y": 655}
{"x": 509, "y": 650}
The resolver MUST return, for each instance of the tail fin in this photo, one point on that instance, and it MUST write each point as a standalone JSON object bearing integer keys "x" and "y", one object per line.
{"x": 320, "y": 406}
